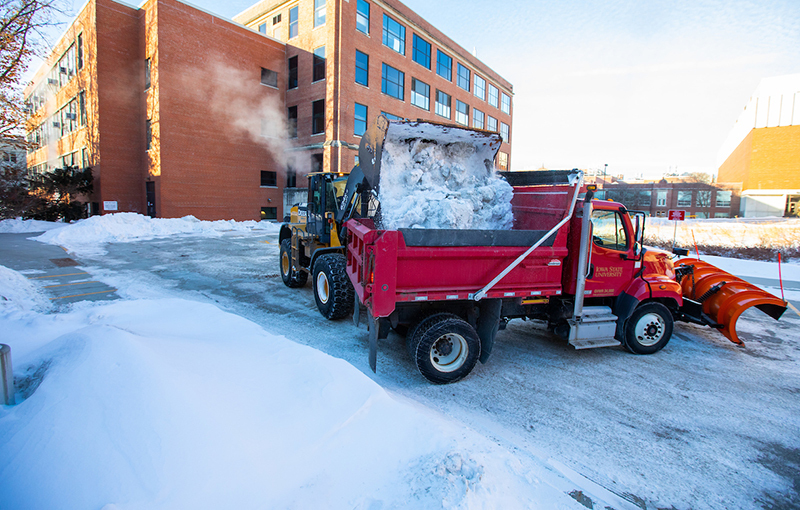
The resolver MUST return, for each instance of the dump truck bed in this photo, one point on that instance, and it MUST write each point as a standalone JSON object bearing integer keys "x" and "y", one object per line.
{"x": 388, "y": 267}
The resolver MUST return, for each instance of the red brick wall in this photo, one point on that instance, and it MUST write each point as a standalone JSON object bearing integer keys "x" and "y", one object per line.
{"x": 210, "y": 166}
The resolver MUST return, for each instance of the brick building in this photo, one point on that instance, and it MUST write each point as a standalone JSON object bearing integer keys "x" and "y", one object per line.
{"x": 179, "y": 111}
{"x": 762, "y": 152}
{"x": 139, "y": 95}
{"x": 698, "y": 199}
{"x": 349, "y": 61}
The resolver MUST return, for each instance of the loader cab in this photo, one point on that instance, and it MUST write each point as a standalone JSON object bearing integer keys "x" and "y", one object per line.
{"x": 325, "y": 191}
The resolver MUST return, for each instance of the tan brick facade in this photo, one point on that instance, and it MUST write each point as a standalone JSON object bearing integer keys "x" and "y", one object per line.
{"x": 768, "y": 158}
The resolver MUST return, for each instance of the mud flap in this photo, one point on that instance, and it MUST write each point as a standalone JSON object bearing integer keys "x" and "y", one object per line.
{"x": 725, "y": 297}
{"x": 378, "y": 329}
{"x": 488, "y": 324}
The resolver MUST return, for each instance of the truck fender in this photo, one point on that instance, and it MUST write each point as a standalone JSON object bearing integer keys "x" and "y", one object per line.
{"x": 322, "y": 251}
{"x": 487, "y": 325}
{"x": 639, "y": 290}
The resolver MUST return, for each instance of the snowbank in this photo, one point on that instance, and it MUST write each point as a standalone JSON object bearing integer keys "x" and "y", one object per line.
{"x": 18, "y": 294}
{"x": 169, "y": 403}
{"x": 85, "y": 237}
{"x": 774, "y": 233}
{"x": 441, "y": 186}
{"x": 20, "y": 226}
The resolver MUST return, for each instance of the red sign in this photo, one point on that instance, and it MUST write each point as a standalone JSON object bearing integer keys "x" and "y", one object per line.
{"x": 677, "y": 215}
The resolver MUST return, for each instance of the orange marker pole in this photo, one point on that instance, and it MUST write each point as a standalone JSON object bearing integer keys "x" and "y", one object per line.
{"x": 780, "y": 276}
{"x": 695, "y": 246}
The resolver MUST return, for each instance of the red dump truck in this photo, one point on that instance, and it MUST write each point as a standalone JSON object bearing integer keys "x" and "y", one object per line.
{"x": 574, "y": 262}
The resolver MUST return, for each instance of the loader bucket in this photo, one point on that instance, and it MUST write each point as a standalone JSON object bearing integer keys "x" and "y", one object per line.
{"x": 725, "y": 297}
{"x": 383, "y": 132}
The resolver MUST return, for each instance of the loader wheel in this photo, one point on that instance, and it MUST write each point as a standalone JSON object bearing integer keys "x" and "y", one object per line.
{"x": 333, "y": 291}
{"x": 445, "y": 348}
{"x": 648, "y": 329}
{"x": 290, "y": 277}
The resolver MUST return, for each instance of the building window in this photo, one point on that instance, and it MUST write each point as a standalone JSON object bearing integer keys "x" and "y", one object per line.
{"x": 360, "y": 125}
{"x": 443, "y": 102}
{"x": 421, "y": 52}
{"x": 269, "y": 178}
{"x": 477, "y": 118}
{"x": 316, "y": 162}
{"x": 362, "y": 68}
{"x": 292, "y": 122}
{"x": 293, "y": 25}
{"x": 319, "y": 13}
{"x": 276, "y": 33}
{"x": 292, "y": 72}
{"x": 661, "y": 198}
{"x": 723, "y": 198}
{"x": 493, "y": 95}
{"x": 149, "y": 133}
{"x": 444, "y": 65}
{"x": 684, "y": 199}
{"x": 291, "y": 175}
{"x": 269, "y": 213}
{"x": 276, "y": 19}
{"x": 393, "y": 82}
{"x": 318, "y": 117}
{"x": 462, "y": 113}
{"x": 502, "y": 160}
{"x": 146, "y": 73}
{"x": 84, "y": 158}
{"x": 394, "y": 35}
{"x": 319, "y": 64}
{"x": 79, "y": 44}
{"x": 269, "y": 77}
{"x": 82, "y": 107}
{"x": 463, "y": 77}
{"x": 362, "y": 16}
{"x": 420, "y": 94}
{"x": 722, "y": 215}
{"x": 491, "y": 124}
{"x": 262, "y": 28}
{"x": 504, "y": 131}
{"x": 505, "y": 103}
{"x": 391, "y": 116}
{"x": 480, "y": 87}
{"x": 704, "y": 199}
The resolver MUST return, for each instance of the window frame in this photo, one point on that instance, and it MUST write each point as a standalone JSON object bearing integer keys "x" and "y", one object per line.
{"x": 320, "y": 62}
{"x": 464, "y": 113}
{"x": 291, "y": 121}
{"x": 505, "y": 132}
{"x": 294, "y": 24}
{"x": 492, "y": 93}
{"x": 360, "y": 15}
{"x": 364, "y": 70}
{"x": 462, "y": 78}
{"x": 360, "y": 121}
{"x": 482, "y": 89}
{"x": 387, "y": 25}
{"x": 384, "y": 80}
{"x": 426, "y": 98}
{"x": 270, "y": 76}
{"x": 271, "y": 177}
{"x": 505, "y": 103}
{"x": 317, "y": 117}
{"x": 417, "y": 50}
{"x": 293, "y": 81}
{"x": 319, "y": 20}
{"x": 448, "y": 106}
{"x": 475, "y": 122}
{"x": 440, "y": 67}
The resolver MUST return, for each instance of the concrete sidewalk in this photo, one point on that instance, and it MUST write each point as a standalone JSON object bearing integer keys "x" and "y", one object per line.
{"x": 59, "y": 274}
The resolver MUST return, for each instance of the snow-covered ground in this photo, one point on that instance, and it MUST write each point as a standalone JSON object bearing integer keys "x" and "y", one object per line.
{"x": 198, "y": 389}
{"x": 770, "y": 233}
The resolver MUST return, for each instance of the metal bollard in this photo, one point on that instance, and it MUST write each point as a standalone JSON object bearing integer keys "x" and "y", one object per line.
{"x": 6, "y": 376}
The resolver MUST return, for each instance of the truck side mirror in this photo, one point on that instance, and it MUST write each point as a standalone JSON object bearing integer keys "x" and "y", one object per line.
{"x": 681, "y": 252}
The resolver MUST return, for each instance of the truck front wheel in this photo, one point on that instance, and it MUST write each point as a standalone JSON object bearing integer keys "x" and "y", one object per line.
{"x": 290, "y": 277}
{"x": 333, "y": 291}
{"x": 648, "y": 329}
{"x": 445, "y": 348}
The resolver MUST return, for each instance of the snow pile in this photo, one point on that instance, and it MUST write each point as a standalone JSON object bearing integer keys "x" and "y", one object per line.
{"x": 20, "y": 226}
{"x": 18, "y": 294}
{"x": 86, "y": 236}
{"x": 170, "y": 403}
{"x": 424, "y": 185}
{"x": 773, "y": 233}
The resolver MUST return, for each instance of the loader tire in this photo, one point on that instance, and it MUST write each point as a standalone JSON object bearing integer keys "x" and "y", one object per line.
{"x": 648, "y": 329}
{"x": 445, "y": 348}
{"x": 333, "y": 291}
{"x": 290, "y": 276}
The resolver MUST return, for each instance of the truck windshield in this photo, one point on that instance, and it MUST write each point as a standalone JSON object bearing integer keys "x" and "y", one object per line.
{"x": 609, "y": 231}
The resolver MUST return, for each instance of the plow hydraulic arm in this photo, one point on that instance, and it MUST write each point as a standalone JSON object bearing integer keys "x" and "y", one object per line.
{"x": 722, "y": 296}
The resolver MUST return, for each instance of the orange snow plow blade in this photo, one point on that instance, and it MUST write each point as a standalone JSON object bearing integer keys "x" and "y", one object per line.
{"x": 725, "y": 297}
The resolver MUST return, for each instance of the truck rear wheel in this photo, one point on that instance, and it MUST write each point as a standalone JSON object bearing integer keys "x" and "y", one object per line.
{"x": 444, "y": 347}
{"x": 290, "y": 277}
{"x": 648, "y": 329}
{"x": 333, "y": 291}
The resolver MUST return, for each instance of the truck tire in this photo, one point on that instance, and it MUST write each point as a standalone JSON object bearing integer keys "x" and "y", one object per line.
{"x": 648, "y": 329}
{"x": 290, "y": 277}
{"x": 333, "y": 291}
{"x": 445, "y": 348}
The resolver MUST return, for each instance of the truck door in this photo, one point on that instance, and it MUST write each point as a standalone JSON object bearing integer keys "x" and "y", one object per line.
{"x": 611, "y": 266}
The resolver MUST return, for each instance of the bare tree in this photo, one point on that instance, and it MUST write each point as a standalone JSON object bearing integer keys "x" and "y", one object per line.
{"x": 701, "y": 177}
{"x": 22, "y": 26}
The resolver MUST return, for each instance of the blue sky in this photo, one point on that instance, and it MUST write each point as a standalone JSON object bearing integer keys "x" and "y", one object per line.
{"x": 646, "y": 87}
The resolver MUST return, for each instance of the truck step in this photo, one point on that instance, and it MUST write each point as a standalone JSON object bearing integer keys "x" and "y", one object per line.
{"x": 595, "y": 329}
